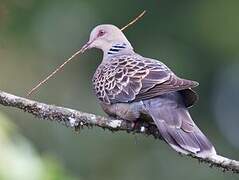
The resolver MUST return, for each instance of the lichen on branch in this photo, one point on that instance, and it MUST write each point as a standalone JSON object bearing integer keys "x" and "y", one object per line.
{"x": 77, "y": 120}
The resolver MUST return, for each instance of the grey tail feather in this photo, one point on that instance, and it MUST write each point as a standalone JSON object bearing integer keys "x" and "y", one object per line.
{"x": 185, "y": 142}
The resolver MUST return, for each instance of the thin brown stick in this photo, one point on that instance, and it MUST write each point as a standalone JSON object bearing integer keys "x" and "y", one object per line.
{"x": 52, "y": 74}
{"x": 34, "y": 89}
{"x": 133, "y": 21}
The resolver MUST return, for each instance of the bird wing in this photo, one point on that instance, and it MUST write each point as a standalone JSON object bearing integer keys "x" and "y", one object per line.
{"x": 128, "y": 78}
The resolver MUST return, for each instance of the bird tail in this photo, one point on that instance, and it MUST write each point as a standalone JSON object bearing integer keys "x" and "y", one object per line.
{"x": 178, "y": 129}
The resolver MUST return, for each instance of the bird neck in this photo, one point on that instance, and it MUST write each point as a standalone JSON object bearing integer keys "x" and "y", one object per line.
{"x": 116, "y": 49}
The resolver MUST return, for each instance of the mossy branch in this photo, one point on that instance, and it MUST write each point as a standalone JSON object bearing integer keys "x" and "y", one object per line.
{"x": 77, "y": 120}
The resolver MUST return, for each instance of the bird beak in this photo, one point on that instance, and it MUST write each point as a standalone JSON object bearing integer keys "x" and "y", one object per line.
{"x": 87, "y": 45}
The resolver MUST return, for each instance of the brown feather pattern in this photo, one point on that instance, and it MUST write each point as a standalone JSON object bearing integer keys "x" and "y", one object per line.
{"x": 128, "y": 78}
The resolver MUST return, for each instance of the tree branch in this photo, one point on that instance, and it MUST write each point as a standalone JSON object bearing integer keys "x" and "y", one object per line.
{"x": 77, "y": 120}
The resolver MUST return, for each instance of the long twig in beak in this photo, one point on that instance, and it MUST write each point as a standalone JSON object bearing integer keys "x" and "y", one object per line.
{"x": 29, "y": 93}
{"x": 133, "y": 21}
{"x": 34, "y": 89}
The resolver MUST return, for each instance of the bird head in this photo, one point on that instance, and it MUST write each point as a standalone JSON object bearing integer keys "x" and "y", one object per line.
{"x": 105, "y": 36}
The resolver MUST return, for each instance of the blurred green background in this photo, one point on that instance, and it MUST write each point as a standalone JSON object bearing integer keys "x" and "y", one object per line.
{"x": 197, "y": 39}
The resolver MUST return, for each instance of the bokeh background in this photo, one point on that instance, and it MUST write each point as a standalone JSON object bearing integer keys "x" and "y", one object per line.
{"x": 197, "y": 39}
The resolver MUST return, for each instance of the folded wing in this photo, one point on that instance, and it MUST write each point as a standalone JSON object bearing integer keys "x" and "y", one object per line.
{"x": 134, "y": 78}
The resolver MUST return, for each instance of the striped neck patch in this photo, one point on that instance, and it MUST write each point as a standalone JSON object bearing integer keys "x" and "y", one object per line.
{"x": 116, "y": 48}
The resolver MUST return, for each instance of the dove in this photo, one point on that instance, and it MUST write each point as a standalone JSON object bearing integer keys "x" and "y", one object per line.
{"x": 132, "y": 87}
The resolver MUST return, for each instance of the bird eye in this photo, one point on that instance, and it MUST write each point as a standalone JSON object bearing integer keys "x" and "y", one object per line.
{"x": 101, "y": 33}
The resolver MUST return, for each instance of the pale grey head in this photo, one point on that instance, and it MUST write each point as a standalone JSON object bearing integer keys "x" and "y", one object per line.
{"x": 109, "y": 38}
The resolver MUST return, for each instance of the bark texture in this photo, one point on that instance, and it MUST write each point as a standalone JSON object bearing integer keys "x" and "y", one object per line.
{"x": 77, "y": 120}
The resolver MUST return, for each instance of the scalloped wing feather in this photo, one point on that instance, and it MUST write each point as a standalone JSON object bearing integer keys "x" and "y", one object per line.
{"x": 128, "y": 78}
